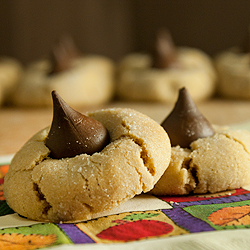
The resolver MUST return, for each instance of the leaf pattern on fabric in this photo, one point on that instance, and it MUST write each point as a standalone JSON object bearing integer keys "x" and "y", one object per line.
{"x": 3, "y": 170}
{"x": 15, "y": 241}
{"x": 229, "y": 216}
{"x": 136, "y": 230}
{"x": 135, "y": 227}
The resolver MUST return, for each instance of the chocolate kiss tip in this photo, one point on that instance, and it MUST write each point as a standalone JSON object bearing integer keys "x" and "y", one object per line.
{"x": 73, "y": 133}
{"x": 165, "y": 51}
{"x": 185, "y": 123}
{"x": 63, "y": 54}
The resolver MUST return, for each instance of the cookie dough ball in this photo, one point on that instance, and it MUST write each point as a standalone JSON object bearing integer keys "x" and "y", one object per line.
{"x": 83, "y": 80}
{"x": 233, "y": 74}
{"x": 142, "y": 79}
{"x": 10, "y": 74}
{"x": 204, "y": 159}
{"x": 79, "y": 188}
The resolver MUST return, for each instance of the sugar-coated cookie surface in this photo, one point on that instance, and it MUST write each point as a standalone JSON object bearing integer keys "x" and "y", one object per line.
{"x": 212, "y": 164}
{"x": 75, "y": 189}
{"x": 138, "y": 80}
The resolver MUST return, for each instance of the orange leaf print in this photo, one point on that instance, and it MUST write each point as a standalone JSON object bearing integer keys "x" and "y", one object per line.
{"x": 229, "y": 216}
{"x": 22, "y": 242}
{"x": 3, "y": 170}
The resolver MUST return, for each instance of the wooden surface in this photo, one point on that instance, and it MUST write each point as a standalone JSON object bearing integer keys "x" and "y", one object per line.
{"x": 18, "y": 125}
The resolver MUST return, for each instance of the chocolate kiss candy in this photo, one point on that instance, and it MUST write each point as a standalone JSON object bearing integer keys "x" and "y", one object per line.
{"x": 165, "y": 51}
{"x": 185, "y": 123}
{"x": 73, "y": 133}
{"x": 63, "y": 54}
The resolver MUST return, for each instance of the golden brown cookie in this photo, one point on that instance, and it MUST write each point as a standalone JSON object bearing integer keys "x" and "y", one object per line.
{"x": 212, "y": 164}
{"x": 43, "y": 188}
{"x": 204, "y": 158}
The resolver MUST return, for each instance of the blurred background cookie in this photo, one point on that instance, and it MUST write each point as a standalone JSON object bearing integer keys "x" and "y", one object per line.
{"x": 233, "y": 67}
{"x": 11, "y": 72}
{"x": 159, "y": 76}
{"x": 84, "y": 80}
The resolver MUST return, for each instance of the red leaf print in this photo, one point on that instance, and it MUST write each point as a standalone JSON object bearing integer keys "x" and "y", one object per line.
{"x": 136, "y": 230}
